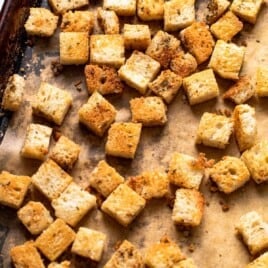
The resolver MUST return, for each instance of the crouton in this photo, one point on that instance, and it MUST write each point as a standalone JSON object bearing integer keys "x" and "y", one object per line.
{"x": 150, "y": 10}
{"x": 64, "y": 264}
{"x": 61, "y": 6}
{"x": 215, "y": 9}
{"x": 121, "y": 7}
{"x": 109, "y": 21}
{"x": 260, "y": 262}
{"x": 187, "y": 263}
{"x": 262, "y": 81}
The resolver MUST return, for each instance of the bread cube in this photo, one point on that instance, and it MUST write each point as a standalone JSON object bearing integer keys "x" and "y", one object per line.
{"x": 150, "y": 10}
{"x": 150, "y": 111}
{"x": 163, "y": 47}
{"x": 136, "y": 36}
{"x": 129, "y": 133}
{"x": 50, "y": 179}
{"x": 35, "y": 217}
{"x": 26, "y": 255}
{"x": 36, "y": 142}
{"x": 166, "y": 85}
{"x": 52, "y": 103}
{"x": 254, "y": 231}
{"x": 214, "y": 130}
{"x": 188, "y": 207}
{"x": 227, "y": 59}
{"x": 198, "y": 40}
{"x": 245, "y": 126}
{"x": 61, "y": 6}
{"x": 105, "y": 178}
{"x": 65, "y": 153}
{"x": 123, "y": 204}
{"x": 55, "y": 239}
{"x": 201, "y": 86}
{"x": 13, "y": 189}
{"x": 229, "y": 174}
{"x": 187, "y": 263}
{"x": 109, "y": 21}
{"x": 215, "y": 9}
{"x": 121, "y": 7}
{"x": 97, "y": 114}
{"x": 262, "y": 81}
{"x": 260, "y": 262}
{"x": 127, "y": 255}
{"x": 77, "y": 21}
{"x": 178, "y": 14}
{"x": 41, "y": 22}
{"x": 185, "y": 171}
{"x": 247, "y": 9}
{"x": 64, "y": 264}
{"x": 89, "y": 243}
{"x": 139, "y": 70}
{"x": 13, "y": 93}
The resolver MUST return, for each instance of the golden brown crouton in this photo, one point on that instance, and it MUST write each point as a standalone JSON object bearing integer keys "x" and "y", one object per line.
{"x": 150, "y": 9}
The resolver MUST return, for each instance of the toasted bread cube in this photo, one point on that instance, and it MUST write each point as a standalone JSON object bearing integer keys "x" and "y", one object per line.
{"x": 105, "y": 178}
{"x": 262, "y": 81}
{"x": 61, "y": 6}
{"x": 109, "y": 21}
{"x": 227, "y": 59}
{"x": 166, "y": 85}
{"x": 254, "y": 231}
{"x": 35, "y": 217}
{"x": 256, "y": 160}
{"x": 123, "y": 204}
{"x": 36, "y": 141}
{"x": 187, "y": 263}
{"x": 178, "y": 14}
{"x": 136, "y": 36}
{"x": 214, "y": 130}
{"x": 260, "y": 262}
{"x": 215, "y": 9}
{"x": 41, "y": 22}
{"x": 127, "y": 255}
{"x": 64, "y": 264}
{"x": 245, "y": 126}
{"x": 121, "y": 7}
{"x": 150, "y": 111}
{"x": 150, "y": 10}
{"x": 89, "y": 243}
{"x": 229, "y": 174}
{"x": 77, "y": 21}
{"x": 55, "y": 239}
{"x": 13, "y": 189}
{"x": 163, "y": 47}
{"x": 51, "y": 180}
{"x": 139, "y": 70}
{"x": 97, "y": 114}
{"x": 201, "y": 86}
{"x": 241, "y": 91}
{"x": 13, "y": 93}
{"x": 65, "y": 153}
{"x": 26, "y": 255}
{"x": 188, "y": 207}
{"x": 185, "y": 171}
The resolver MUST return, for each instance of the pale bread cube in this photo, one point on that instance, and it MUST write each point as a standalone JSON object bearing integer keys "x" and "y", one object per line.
{"x": 64, "y": 264}
{"x": 188, "y": 207}
{"x": 150, "y": 111}
{"x": 262, "y": 81}
{"x": 123, "y": 204}
{"x": 247, "y": 10}
{"x": 254, "y": 231}
{"x": 50, "y": 179}
{"x": 187, "y": 263}
{"x": 35, "y": 217}
{"x": 26, "y": 255}
{"x": 229, "y": 174}
{"x": 89, "y": 243}
{"x": 227, "y": 59}
{"x": 166, "y": 85}
{"x": 127, "y": 255}
{"x": 129, "y": 133}
{"x": 109, "y": 21}
{"x": 245, "y": 126}
{"x": 139, "y": 70}
{"x": 55, "y": 239}
{"x": 65, "y": 152}
{"x": 97, "y": 114}
{"x": 214, "y": 130}
{"x": 13, "y": 93}
{"x": 61, "y": 6}
{"x": 201, "y": 86}
{"x": 215, "y": 9}
{"x": 185, "y": 171}
{"x": 260, "y": 262}
{"x": 107, "y": 49}
{"x": 73, "y": 204}
{"x": 150, "y": 9}
{"x": 77, "y": 21}
{"x": 121, "y": 7}
{"x": 41, "y": 22}
{"x": 13, "y": 189}
{"x": 105, "y": 178}
{"x": 136, "y": 36}
{"x": 163, "y": 47}
{"x": 178, "y": 14}
{"x": 52, "y": 103}
{"x": 36, "y": 142}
